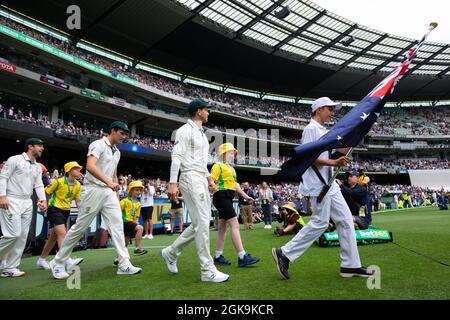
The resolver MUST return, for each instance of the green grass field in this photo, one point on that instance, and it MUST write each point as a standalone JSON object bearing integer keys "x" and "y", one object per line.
{"x": 404, "y": 274}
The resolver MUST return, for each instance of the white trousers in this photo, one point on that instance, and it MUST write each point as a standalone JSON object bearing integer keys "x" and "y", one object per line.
{"x": 15, "y": 224}
{"x": 94, "y": 200}
{"x": 194, "y": 188}
{"x": 333, "y": 206}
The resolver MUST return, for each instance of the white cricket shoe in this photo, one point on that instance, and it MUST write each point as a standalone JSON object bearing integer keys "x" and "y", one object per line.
{"x": 215, "y": 276}
{"x": 70, "y": 263}
{"x": 170, "y": 262}
{"x": 12, "y": 273}
{"x": 58, "y": 271}
{"x": 42, "y": 264}
{"x": 149, "y": 236}
{"x": 128, "y": 268}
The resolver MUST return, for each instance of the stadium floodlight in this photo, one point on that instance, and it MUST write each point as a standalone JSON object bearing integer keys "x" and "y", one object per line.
{"x": 348, "y": 40}
{"x": 283, "y": 13}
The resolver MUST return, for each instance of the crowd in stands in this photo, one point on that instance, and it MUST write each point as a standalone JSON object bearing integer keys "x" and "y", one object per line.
{"x": 413, "y": 121}
{"x": 158, "y": 143}
{"x": 396, "y": 166}
{"x": 405, "y": 196}
{"x": 68, "y": 129}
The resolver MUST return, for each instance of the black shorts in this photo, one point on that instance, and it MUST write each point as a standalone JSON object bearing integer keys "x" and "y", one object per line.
{"x": 176, "y": 205}
{"x": 57, "y": 216}
{"x": 223, "y": 201}
{"x": 129, "y": 229}
{"x": 146, "y": 213}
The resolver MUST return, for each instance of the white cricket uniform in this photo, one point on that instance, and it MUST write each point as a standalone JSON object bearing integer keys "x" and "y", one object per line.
{"x": 18, "y": 178}
{"x": 332, "y": 206}
{"x": 190, "y": 156}
{"x": 96, "y": 198}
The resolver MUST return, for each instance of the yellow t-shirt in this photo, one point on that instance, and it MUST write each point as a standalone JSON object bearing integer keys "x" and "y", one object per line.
{"x": 63, "y": 193}
{"x": 224, "y": 176}
{"x": 131, "y": 209}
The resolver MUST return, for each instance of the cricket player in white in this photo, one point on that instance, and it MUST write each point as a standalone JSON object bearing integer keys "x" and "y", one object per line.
{"x": 19, "y": 176}
{"x": 190, "y": 156}
{"x": 333, "y": 204}
{"x": 99, "y": 194}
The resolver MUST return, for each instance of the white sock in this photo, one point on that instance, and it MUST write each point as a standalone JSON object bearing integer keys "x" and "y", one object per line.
{"x": 241, "y": 254}
{"x": 218, "y": 253}
{"x": 41, "y": 259}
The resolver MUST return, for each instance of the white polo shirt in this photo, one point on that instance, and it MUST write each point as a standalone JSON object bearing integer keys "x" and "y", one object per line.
{"x": 190, "y": 151}
{"x": 147, "y": 197}
{"x": 311, "y": 185}
{"x": 107, "y": 160}
{"x": 19, "y": 176}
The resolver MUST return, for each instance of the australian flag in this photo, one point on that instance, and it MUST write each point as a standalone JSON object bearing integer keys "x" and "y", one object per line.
{"x": 353, "y": 127}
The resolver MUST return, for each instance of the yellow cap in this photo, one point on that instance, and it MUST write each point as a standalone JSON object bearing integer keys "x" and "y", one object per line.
{"x": 227, "y": 147}
{"x": 290, "y": 206}
{"x": 70, "y": 165}
{"x": 135, "y": 184}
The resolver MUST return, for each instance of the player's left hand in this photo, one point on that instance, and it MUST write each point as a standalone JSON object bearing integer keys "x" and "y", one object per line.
{"x": 212, "y": 187}
{"x": 42, "y": 205}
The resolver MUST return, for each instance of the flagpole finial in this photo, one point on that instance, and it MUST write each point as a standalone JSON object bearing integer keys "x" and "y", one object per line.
{"x": 433, "y": 25}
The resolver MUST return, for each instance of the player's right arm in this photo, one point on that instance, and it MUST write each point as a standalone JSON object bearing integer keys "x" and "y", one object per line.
{"x": 94, "y": 153}
{"x": 91, "y": 166}
{"x": 6, "y": 172}
{"x": 179, "y": 148}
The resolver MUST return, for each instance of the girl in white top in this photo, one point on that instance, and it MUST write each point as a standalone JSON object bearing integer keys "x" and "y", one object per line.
{"x": 147, "y": 208}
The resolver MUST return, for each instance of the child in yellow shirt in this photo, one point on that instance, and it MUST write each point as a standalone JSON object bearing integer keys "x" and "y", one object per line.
{"x": 131, "y": 210}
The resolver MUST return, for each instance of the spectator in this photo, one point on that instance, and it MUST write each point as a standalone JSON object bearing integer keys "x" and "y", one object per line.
{"x": 147, "y": 203}
{"x": 176, "y": 210}
{"x": 266, "y": 198}
{"x": 246, "y": 206}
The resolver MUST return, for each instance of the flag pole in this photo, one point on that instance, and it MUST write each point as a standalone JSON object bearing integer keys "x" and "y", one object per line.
{"x": 330, "y": 182}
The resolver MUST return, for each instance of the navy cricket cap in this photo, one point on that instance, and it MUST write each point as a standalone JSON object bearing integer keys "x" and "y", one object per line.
{"x": 352, "y": 173}
{"x": 33, "y": 141}
{"x": 119, "y": 125}
{"x": 196, "y": 104}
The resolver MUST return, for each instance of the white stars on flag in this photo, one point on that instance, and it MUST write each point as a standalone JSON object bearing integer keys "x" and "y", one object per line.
{"x": 364, "y": 116}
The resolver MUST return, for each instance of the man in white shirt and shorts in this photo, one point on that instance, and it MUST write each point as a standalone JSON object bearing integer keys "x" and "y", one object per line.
{"x": 332, "y": 206}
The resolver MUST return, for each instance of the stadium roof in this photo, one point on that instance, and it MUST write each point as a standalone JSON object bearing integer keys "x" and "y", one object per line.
{"x": 309, "y": 53}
